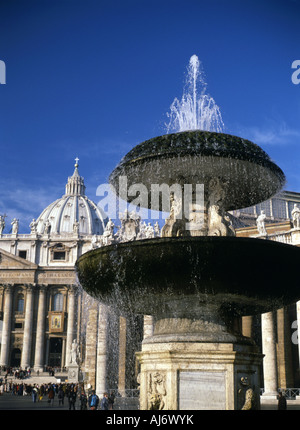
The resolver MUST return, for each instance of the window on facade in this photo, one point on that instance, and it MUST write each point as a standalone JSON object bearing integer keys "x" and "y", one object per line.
{"x": 59, "y": 255}
{"x": 249, "y": 210}
{"x": 20, "y": 304}
{"x": 23, "y": 254}
{"x": 58, "y": 302}
{"x": 264, "y": 206}
{"x": 279, "y": 208}
{"x": 18, "y": 325}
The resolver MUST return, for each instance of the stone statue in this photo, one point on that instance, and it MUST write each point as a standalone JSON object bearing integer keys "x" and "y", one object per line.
{"x": 74, "y": 352}
{"x": 142, "y": 230}
{"x": 175, "y": 224}
{"x": 156, "y": 229}
{"x": 149, "y": 231}
{"x": 108, "y": 235}
{"x": 130, "y": 226}
{"x": 250, "y": 400}
{"x": 95, "y": 241}
{"x": 247, "y": 397}
{"x": 157, "y": 391}
{"x": 260, "y": 222}
{"x": 15, "y": 226}
{"x": 33, "y": 226}
{"x": 2, "y": 223}
{"x": 76, "y": 226}
{"x": 296, "y": 216}
{"x": 47, "y": 227}
{"x": 176, "y": 207}
{"x": 218, "y": 223}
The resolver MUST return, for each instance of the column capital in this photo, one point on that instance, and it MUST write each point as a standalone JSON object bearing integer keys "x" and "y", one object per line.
{"x": 73, "y": 288}
{"x": 42, "y": 287}
{"x": 29, "y": 287}
{"x": 8, "y": 287}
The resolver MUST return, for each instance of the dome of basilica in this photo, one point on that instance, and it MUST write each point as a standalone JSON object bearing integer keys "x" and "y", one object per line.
{"x": 73, "y": 212}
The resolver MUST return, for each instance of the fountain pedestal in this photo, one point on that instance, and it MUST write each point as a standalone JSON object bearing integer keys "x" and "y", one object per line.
{"x": 187, "y": 370}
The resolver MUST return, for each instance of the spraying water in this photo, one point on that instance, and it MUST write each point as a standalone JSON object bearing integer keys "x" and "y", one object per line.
{"x": 196, "y": 110}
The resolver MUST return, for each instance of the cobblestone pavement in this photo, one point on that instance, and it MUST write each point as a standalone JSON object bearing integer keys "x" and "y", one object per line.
{"x": 9, "y": 401}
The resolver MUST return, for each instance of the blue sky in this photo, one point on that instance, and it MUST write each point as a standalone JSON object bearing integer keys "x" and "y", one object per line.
{"x": 93, "y": 78}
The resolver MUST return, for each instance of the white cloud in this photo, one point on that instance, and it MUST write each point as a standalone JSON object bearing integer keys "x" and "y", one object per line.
{"x": 19, "y": 201}
{"x": 272, "y": 134}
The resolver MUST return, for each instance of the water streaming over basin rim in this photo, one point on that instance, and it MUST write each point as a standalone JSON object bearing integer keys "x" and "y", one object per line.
{"x": 178, "y": 276}
{"x": 197, "y": 156}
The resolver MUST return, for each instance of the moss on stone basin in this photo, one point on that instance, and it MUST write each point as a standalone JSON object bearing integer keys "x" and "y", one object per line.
{"x": 177, "y": 276}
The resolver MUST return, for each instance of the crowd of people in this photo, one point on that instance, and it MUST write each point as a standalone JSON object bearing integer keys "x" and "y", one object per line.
{"x": 20, "y": 373}
{"x": 74, "y": 394}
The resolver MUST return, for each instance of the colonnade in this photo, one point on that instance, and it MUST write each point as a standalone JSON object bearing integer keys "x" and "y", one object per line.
{"x": 34, "y": 354}
{"x": 278, "y": 334}
{"x": 34, "y": 345}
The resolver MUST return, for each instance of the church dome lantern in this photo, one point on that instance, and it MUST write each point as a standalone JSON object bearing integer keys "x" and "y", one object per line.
{"x": 74, "y": 212}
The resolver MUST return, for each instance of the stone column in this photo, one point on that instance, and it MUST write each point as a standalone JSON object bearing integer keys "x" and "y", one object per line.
{"x": 101, "y": 380}
{"x": 27, "y": 337}
{"x": 122, "y": 356}
{"x": 47, "y": 351}
{"x": 269, "y": 350}
{"x": 148, "y": 326}
{"x": 284, "y": 350}
{"x": 90, "y": 346}
{"x": 71, "y": 323}
{"x": 295, "y": 335}
{"x": 247, "y": 326}
{"x": 40, "y": 331}
{"x": 298, "y": 328}
{"x": 6, "y": 329}
{"x": 63, "y": 355}
{"x": 1, "y": 298}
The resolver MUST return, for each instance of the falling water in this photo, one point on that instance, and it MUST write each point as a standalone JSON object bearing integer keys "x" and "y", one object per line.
{"x": 196, "y": 110}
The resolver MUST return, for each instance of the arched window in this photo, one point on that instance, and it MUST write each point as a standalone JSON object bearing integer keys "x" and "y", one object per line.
{"x": 20, "y": 303}
{"x": 58, "y": 302}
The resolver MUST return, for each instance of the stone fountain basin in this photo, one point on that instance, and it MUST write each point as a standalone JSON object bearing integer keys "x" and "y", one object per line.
{"x": 177, "y": 276}
{"x": 194, "y": 157}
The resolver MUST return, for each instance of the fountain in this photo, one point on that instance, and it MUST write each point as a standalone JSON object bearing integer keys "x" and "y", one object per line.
{"x": 197, "y": 284}
{"x": 196, "y": 110}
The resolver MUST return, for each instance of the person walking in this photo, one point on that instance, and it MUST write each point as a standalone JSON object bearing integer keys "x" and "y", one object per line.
{"x": 60, "y": 396}
{"x": 104, "y": 402}
{"x": 34, "y": 394}
{"x": 51, "y": 395}
{"x": 93, "y": 401}
{"x": 83, "y": 401}
{"x": 282, "y": 404}
{"x": 111, "y": 400}
{"x": 72, "y": 399}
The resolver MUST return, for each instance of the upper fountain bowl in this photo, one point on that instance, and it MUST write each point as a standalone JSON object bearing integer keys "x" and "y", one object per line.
{"x": 195, "y": 157}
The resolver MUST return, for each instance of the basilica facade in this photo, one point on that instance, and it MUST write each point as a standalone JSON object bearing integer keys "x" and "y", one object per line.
{"x": 40, "y": 305}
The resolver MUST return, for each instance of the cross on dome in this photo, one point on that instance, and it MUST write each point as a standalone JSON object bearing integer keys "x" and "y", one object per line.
{"x": 75, "y": 184}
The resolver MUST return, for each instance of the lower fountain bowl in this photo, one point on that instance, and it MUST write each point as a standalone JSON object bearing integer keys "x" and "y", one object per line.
{"x": 177, "y": 276}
